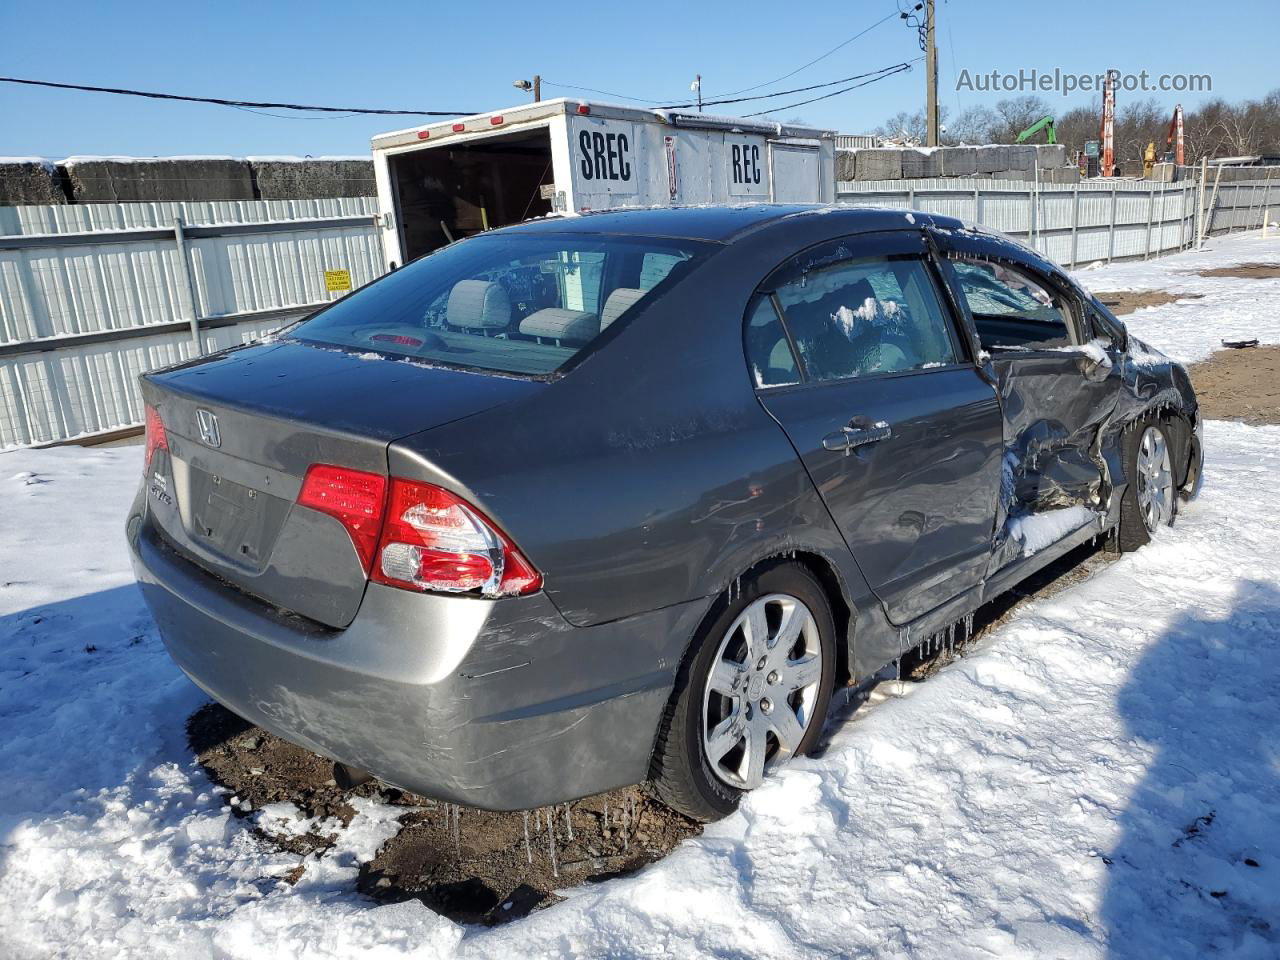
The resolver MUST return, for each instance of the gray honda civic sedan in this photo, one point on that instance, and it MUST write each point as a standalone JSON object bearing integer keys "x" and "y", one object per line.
{"x": 592, "y": 501}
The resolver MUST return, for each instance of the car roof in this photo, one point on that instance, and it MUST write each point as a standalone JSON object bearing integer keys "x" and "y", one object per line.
{"x": 724, "y": 223}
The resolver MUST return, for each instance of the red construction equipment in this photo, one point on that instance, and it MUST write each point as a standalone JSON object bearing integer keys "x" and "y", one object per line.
{"x": 1175, "y": 154}
{"x": 1108, "y": 135}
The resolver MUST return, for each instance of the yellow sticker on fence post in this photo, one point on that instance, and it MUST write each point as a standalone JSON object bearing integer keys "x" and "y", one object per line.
{"x": 337, "y": 280}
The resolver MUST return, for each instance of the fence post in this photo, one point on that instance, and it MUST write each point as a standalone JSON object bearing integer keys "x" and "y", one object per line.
{"x": 911, "y": 198}
{"x": 188, "y": 284}
{"x": 1151, "y": 219}
{"x": 977, "y": 205}
{"x": 1198, "y": 219}
{"x": 1111, "y": 238}
{"x": 1075, "y": 223}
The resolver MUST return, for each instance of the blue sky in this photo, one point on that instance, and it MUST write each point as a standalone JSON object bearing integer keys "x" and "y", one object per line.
{"x": 465, "y": 55}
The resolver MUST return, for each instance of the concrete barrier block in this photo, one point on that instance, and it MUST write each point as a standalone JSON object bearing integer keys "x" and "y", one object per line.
{"x": 1164, "y": 172}
{"x": 958, "y": 161}
{"x": 879, "y": 164}
{"x": 128, "y": 180}
{"x": 990, "y": 158}
{"x": 921, "y": 163}
{"x": 283, "y": 178}
{"x": 1021, "y": 156}
{"x": 1061, "y": 175}
{"x": 1013, "y": 175}
{"x": 30, "y": 181}
{"x": 846, "y": 164}
{"x": 1051, "y": 154}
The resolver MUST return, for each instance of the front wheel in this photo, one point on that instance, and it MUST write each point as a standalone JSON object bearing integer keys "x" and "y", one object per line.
{"x": 753, "y": 693}
{"x": 1151, "y": 498}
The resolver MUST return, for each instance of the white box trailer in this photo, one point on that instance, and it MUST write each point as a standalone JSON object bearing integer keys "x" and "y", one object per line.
{"x": 445, "y": 181}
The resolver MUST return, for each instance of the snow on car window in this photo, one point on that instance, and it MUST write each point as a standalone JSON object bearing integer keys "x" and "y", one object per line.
{"x": 862, "y": 317}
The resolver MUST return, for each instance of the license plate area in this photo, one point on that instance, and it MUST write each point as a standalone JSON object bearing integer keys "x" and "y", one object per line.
{"x": 236, "y": 521}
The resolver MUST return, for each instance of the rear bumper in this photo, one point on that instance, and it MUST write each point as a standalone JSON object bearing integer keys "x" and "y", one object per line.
{"x": 501, "y": 704}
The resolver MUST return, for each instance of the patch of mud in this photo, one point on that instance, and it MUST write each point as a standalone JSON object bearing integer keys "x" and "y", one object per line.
{"x": 1127, "y": 301}
{"x": 1239, "y": 385}
{"x": 470, "y": 865}
{"x": 1246, "y": 271}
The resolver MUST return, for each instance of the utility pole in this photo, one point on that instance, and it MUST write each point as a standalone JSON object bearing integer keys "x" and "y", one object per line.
{"x": 537, "y": 88}
{"x": 697, "y": 85}
{"x": 931, "y": 76}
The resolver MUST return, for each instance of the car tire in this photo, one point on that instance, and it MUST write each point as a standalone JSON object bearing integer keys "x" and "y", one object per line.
{"x": 684, "y": 774}
{"x": 1150, "y": 498}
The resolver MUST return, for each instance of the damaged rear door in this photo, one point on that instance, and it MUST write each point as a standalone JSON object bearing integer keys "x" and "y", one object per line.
{"x": 857, "y": 358}
{"x": 1058, "y": 384}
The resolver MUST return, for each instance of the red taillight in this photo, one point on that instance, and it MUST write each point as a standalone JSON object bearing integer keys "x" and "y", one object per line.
{"x": 584, "y": 109}
{"x": 156, "y": 438}
{"x": 354, "y": 497}
{"x": 459, "y": 127}
{"x": 496, "y": 121}
{"x": 424, "y": 134}
{"x": 433, "y": 540}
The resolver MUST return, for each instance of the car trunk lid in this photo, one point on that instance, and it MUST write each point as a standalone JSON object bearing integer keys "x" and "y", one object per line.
{"x": 243, "y": 427}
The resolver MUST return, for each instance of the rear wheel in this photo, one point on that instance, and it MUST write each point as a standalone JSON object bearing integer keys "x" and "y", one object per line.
{"x": 753, "y": 693}
{"x": 1151, "y": 498}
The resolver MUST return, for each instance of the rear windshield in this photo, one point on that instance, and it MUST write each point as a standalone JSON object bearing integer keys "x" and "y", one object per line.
{"x": 524, "y": 305}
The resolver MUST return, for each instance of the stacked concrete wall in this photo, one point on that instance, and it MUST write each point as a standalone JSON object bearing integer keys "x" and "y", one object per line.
{"x": 31, "y": 181}
{"x": 988, "y": 162}
{"x": 134, "y": 180}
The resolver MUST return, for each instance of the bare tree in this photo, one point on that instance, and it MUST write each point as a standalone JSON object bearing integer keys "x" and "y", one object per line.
{"x": 976, "y": 124}
{"x": 1018, "y": 113}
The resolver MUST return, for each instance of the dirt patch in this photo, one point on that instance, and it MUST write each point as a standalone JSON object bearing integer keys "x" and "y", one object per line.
{"x": 470, "y": 865}
{"x": 1127, "y": 301}
{"x": 1246, "y": 271}
{"x": 1239, "y": 385}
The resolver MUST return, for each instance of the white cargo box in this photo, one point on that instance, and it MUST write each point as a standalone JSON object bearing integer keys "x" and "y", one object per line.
{"x": 446, "y": 181}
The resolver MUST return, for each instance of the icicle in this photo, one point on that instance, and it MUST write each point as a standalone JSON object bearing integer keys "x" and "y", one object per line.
{"x": 551, "y": 845}
{"x": 568, "y": 821}
{"x": 528, "y": 850}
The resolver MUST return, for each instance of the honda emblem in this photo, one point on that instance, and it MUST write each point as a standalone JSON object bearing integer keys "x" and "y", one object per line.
{"x": 208, "y": 425}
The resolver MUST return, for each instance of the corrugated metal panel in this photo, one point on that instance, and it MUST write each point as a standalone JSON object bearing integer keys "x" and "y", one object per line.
{"x": 273, "y": 258}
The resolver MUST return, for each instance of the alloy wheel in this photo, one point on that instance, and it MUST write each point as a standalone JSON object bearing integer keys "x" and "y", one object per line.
{"x": 1155, "y": 479}
{"x": 761, "y": 690}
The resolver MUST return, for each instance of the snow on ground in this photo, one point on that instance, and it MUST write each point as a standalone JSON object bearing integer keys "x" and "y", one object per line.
{"x": 1100, "y": 777}
{"x": 1229, "y": 308}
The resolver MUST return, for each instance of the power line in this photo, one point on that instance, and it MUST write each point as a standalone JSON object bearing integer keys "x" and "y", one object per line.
{"x": 734, "y": 93}
{"x": 806, "y": 66}
{"x": 219, "y": 101}
{"x": 901, "y": 68}
{"x": 783, "y": 93}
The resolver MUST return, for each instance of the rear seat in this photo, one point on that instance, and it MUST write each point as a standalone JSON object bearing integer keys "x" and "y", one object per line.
{"x": 619, "y": 301}
{"x": 480, "y": 305}
{"x": 557, "y": 323}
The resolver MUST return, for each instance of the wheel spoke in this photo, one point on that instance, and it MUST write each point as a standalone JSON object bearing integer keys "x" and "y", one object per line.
{"x": 727, "y": 678}
{"x": 798, "y": 674}
{"x": 752, "y": 769}
{"x": 794, "y": 618}
{"x": 787, "y": 727}
{"x": 755, "y": 628}
{"x": 726, "y": 735}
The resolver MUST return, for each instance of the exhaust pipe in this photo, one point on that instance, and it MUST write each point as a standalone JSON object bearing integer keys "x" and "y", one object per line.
{"x": 348, "y": 778}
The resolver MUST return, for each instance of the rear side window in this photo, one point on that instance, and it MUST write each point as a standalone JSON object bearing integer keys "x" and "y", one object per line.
{"x": 512, "y": 304}
{"x": 773, "y": 364}
{"x": 1011, "y": 309}
{"x": 857, "y": 318}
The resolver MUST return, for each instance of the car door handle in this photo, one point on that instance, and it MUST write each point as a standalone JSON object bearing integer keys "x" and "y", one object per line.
{"x": 848, "y": 438}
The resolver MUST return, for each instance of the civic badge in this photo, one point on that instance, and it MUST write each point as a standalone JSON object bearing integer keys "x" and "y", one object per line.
{"x": 208, "y": 425}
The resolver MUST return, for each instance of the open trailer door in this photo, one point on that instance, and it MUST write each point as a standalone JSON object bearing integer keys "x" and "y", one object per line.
{"x": 455, "y": 191}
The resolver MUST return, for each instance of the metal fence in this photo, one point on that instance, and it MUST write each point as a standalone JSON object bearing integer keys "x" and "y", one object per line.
{"x": 93, "y": 295}
{"x": 1082, "y": 222}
